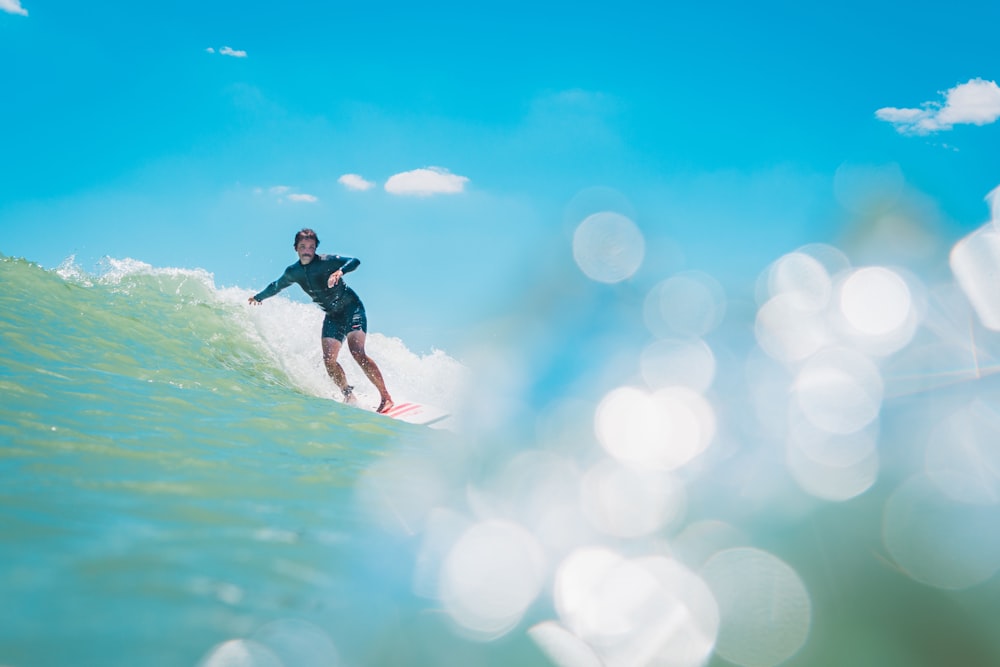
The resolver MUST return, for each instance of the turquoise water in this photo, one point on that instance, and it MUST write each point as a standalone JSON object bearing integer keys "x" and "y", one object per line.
{"x": 179, "y": 489}
{"x": 165, "y": 485}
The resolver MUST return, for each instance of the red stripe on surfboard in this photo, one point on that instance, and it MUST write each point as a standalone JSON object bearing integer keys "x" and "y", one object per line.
{"x": 402, "y": 409}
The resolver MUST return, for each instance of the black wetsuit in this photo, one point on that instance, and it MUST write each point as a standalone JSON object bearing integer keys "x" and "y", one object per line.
{"x": 344, "y": 311}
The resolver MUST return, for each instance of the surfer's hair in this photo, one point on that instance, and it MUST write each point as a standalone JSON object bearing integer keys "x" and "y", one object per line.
{"x": 305, "y": 233}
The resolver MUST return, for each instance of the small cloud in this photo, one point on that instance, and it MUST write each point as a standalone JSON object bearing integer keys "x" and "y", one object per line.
{"x": 425, "y": 182}
{"x": 355, "y": 182}
{"x": 224, "y": 51}
{"x": 976, "y": 102}
{"x": 13, "y": 7}
{"x": 283, "y": 193}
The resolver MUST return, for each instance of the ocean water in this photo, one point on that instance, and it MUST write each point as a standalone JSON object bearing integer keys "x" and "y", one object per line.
{"x": 808, "y": 475}
{"x": 172, "y": 479}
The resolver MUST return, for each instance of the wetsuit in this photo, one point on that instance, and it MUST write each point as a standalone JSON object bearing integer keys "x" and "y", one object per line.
{"x": 344, "y": 311}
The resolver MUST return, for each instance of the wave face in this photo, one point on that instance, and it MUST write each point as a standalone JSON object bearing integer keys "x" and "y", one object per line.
{"x": 174, "y": 473}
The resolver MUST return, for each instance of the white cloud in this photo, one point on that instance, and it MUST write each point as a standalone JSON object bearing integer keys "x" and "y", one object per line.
{"x": 225, "y": 50}
{"x": 355, "y": 182}
{"x": 976, "y": 102}
{"x": 13, "y": 7}
{"x": 284, "y": 193}
{"x": 425, "y": 182}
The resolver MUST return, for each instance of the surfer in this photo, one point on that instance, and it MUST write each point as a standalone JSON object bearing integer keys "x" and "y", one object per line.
{"x": 321, "y": 277}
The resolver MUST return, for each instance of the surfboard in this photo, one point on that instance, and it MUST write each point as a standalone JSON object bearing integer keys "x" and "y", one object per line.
{"x": 417, "y": 413}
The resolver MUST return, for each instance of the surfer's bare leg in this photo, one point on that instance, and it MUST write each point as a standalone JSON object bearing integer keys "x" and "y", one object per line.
{"x": 331, "y": 348}
{"x": 356, "y": 344}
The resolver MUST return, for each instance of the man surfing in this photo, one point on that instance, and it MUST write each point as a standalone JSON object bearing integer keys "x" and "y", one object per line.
{"x": 321, "y": 277}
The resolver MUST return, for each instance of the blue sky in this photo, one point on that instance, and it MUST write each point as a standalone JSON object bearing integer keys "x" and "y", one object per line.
{"x": 453, "y": 147}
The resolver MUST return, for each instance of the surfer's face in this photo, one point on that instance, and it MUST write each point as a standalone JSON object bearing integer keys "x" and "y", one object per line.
{"x": 306, "y": 250}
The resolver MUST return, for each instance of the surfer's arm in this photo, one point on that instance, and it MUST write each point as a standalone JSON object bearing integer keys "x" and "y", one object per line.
{"x": 348, "y": 264}
{"x": 281, "y": 283}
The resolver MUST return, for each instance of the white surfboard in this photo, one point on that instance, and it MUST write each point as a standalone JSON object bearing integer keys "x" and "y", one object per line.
{"x": 417, "y": 413}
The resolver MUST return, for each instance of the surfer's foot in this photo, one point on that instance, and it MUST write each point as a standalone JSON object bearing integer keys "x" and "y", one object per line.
{"x": 385, "y": 406}
{"x": 349, "y": 398}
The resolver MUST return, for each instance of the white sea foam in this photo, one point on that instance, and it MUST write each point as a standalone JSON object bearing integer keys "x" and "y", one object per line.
{"x": 289, "y": 331}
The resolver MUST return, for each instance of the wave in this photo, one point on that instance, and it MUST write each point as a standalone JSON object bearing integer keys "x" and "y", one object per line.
{"x": 148, "y": 322}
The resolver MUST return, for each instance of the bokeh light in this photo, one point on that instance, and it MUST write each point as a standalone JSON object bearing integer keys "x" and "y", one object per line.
{"x": 688, "y": 627}
{"x": 492, "y": 574}
{"x": 832, "y": 449}
{"x": 596, "y": 199}
{"x": 608, "y": 247}
{"x": 399, "y": 492}
{"x": 663, "y": 430}
{"x": 833, "y": 466}
{"x": 875, "y": 301}
{"x": 877, "y": 310}
{"x": 241, "y": 653}
{"x": 625, "y": 502}
{"x": 789, "y": 329}
{"x": 540, "y": 490}
{"x": 963, "y": 454}
{"x": 973, "y": 261}
{"x": 298, "y": 642}
{"x": 678, "y": 362}
{"x": 832, "y": 481}
{"x": 701, "y": 540}
{"x": 839, "y": 391}
{"x": 938, "y": 540}
{"x": 689, "y": 304}
{"x": 803, "y": 277}
{"x": 649, "y": 610}
{"x": 442, "y": 529}
{"x": 765, "y": 609}
{"x": 591, "y": 587}
{"x": 562, "y": 647}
